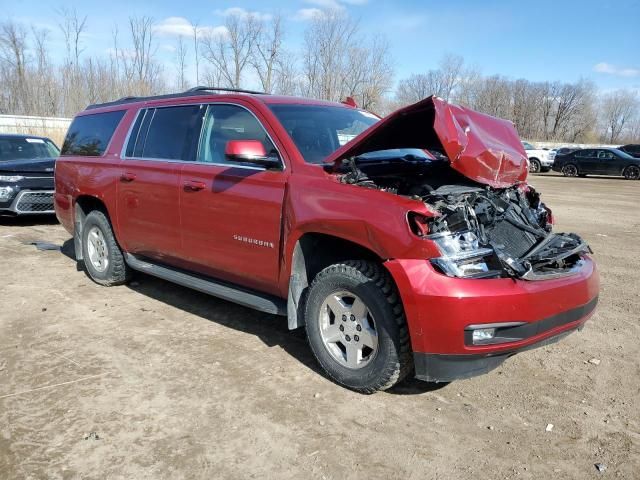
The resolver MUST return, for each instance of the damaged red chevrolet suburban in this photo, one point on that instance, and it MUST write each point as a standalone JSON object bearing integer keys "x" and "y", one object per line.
{"x": 405, "y": 245}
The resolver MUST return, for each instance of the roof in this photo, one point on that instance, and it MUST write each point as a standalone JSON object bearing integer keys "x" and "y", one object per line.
{"x": 209, "y": 93}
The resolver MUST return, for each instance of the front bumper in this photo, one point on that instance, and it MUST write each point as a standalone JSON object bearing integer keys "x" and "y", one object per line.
{"x": 29, "y": 202}
{"x": 441, "y": 309}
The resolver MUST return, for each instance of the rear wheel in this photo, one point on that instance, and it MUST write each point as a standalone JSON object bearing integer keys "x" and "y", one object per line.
{"x": 632, "y": 172}
{"x": 102, "y": 256}
{"x": 570, "y": 170}
{"x": 534, "y": 165}
{"x": 356, "y": 326}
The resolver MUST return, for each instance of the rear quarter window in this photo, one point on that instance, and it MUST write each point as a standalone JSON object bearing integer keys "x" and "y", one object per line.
{"x": 89, "y": 135}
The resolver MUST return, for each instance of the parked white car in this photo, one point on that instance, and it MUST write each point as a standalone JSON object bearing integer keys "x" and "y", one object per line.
{"x": 539, "y": 160}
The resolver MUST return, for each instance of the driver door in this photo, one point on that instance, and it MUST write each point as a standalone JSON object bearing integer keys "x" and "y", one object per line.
{"x": 232, "y": 211}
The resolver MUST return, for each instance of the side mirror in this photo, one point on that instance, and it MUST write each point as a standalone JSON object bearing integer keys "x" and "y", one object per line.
{"x": 250, "y": 151}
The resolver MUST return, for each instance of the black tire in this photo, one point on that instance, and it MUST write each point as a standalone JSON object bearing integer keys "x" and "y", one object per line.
{"x": 545, "y": 169}
{"x": 632, "y": 172}
{"x": 372, "y": 284}
{"x": 570, "y": 170}
{"x": 116, "y": 272}
{"x": 534, "y": 165}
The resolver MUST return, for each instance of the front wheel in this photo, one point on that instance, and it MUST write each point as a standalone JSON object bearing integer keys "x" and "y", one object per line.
{"x": 102, "y": 256}
{"x": 534, "y": 165}
{"x": 570, "y": 170}
{"x": 632, "y": 172}
{"x": 356, "y": 326}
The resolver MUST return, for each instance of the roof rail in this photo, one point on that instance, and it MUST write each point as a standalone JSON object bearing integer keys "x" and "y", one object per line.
{"x": 191, "y": 92}
{"x": 223, "y": 89}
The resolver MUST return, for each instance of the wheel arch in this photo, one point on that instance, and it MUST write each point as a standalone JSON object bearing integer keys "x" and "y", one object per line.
{"x": 83, "y": 205}
{"x": 312, "y": 253}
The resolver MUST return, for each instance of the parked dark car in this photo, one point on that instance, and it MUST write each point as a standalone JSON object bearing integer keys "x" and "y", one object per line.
{"x": 598, "y": 161}
{"x": 26, "y": 174}
{"x": 632, "y": 149}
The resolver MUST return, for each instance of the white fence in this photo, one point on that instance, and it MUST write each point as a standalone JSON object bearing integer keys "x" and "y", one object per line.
{"x": 53, "y": 127}
{"x": 550, "y": 145}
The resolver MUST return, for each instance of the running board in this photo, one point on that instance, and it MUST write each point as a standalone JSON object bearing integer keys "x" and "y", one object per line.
{"x": 257, "y": 301}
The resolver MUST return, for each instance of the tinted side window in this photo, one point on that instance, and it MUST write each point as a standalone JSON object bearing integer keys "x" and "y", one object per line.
{"x": 229, "y": 122}
{"x": 604, "y": 154}
{"x": 586, "y": 153}
{"x": 89, "y": 135}
{"x": 166, "y": 133}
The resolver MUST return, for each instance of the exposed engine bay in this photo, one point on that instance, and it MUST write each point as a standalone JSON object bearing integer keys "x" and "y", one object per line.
{"x": 481, "y": 232}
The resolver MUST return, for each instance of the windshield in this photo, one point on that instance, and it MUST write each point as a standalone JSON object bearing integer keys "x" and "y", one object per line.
{"x": 528, "y": 146}
{"x": 319, "y": 130}
{"x": 26, "y": 148}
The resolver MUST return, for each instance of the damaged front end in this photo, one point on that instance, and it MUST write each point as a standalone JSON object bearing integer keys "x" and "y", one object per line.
{"x": 469, "y": 169}
{"x": 496, "y": 233}
{"x": 481, "y": 231}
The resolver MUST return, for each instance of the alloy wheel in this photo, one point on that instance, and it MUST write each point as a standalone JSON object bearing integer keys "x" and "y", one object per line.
{"x": 570, "y": 170}
{"x": 348, "y": 330}
{"x": 534, "y": 166}
{"x": 632, "y": 173}
{"x": 97, "y": 249}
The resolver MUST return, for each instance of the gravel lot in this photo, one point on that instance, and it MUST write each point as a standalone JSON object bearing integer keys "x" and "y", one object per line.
{"x": 156, "y": 381}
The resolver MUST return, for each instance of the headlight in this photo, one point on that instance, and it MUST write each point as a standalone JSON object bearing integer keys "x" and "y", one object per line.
{"x": 11, "y": 178}
{"x": 461, "y": 254}
{"x": 5, "y": 193}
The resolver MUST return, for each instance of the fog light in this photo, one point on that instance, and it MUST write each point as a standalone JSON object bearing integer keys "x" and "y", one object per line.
{"x": 5, "y": 193}
{"x": 482, "y": 335}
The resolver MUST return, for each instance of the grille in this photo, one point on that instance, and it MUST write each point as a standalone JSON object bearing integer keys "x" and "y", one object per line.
{"x": 35, "y": 202}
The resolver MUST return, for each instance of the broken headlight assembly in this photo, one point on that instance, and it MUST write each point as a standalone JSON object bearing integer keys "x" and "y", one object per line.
{"x": 461, "y": 255}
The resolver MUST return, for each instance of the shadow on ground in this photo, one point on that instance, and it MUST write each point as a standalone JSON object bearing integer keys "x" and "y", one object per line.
{"x": 272, "y": 330}
{"x": 28, "y": 220}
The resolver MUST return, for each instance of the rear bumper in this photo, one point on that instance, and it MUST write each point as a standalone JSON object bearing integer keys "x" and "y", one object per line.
{"x": 442, "y": 311}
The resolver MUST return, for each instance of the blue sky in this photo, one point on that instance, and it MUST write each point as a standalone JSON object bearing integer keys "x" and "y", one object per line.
{"x": 541, "y": 40}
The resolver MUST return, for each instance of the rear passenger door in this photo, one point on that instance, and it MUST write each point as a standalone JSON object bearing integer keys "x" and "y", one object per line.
{"x": 232, "y": 211}
{"x": 587, "y": 161}
{"x": 160, "y": 141}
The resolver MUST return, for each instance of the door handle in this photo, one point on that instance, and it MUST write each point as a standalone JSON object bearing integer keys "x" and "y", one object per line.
{"x": 127, "y": 177}
{"x": 194, "y": 186}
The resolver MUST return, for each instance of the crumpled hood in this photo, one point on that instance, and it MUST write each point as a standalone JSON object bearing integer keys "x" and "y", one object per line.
{"x": 37, "y": 165}
{"x": 481, "y": 147}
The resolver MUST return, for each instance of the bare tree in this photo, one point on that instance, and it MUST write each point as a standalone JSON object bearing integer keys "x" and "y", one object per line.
{"x": 619, "y": 108}
{"x": 181, "y": 63}
{"x": 72, "y": 27}
{"x": 230, "y": 51}
{"x": 370, "y": 75}
{"x": 13, "y": 58}
{"x": 338, "y": 61}
{"x": 415, "y": 88}
{"x": 441, "y": 82}
{"x": 141, "y": 72}
{"x": 327, "y": 40}
{"x": 266, "y": 57}
{"x": 196, "y": 50}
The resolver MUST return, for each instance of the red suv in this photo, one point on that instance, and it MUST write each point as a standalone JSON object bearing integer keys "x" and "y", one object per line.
{"x": 410, "y": 244}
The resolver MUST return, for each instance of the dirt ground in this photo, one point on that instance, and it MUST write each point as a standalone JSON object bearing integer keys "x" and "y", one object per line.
{"x": 156, "y": 381}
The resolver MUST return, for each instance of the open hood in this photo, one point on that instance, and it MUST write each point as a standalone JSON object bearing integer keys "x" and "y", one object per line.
{"x": 483, "y": 148}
